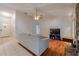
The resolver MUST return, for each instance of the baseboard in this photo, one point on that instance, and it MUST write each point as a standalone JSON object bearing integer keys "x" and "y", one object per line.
{"x": 4, "y": 36}
{"x": 31, "y": 51}
{"x": 27, "y": 49}
{"x": 44, "y": 52}
{"x": 67, "y": 40}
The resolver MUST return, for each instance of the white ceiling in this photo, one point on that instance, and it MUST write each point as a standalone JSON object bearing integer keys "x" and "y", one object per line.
{"x": 50, "y": 9}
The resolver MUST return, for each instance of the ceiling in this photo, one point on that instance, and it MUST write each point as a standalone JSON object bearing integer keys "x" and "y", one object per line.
{"x": 47, "y": 9}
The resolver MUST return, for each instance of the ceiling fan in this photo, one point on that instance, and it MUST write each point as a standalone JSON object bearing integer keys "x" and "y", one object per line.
{"x": 36, "y": 15}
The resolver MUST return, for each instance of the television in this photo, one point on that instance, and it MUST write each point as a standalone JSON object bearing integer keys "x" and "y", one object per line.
{"x": 54, "y": 33}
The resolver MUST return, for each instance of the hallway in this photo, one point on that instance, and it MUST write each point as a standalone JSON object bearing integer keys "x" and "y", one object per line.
{"x": 10, "y": 47}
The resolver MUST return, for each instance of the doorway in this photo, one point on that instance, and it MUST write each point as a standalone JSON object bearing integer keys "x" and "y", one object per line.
{"x": 5, "y": 26}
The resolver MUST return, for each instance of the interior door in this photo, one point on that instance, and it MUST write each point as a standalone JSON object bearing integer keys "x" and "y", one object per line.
{"x": 0, "y": 27}
{"x": 5, "y": 29}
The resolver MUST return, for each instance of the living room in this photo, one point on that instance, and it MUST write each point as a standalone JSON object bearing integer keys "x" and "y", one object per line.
{"x": 32, "y": 23}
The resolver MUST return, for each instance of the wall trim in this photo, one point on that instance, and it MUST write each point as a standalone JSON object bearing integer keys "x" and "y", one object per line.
{"x": 43, "y": 54}
{"x": 31, "y": 51}
{"x": 27, "y": 49}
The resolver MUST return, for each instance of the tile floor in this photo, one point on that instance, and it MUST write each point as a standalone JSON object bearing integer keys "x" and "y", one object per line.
{"x": 10, "y": 47}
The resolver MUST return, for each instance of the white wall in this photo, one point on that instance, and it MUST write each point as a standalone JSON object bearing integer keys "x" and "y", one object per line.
{"x": 64, "y": 23}
{"x": 24, "y": 23}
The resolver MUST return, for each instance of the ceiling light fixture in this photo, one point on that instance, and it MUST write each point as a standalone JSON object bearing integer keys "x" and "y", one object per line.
{"x": 37, "y": 16}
